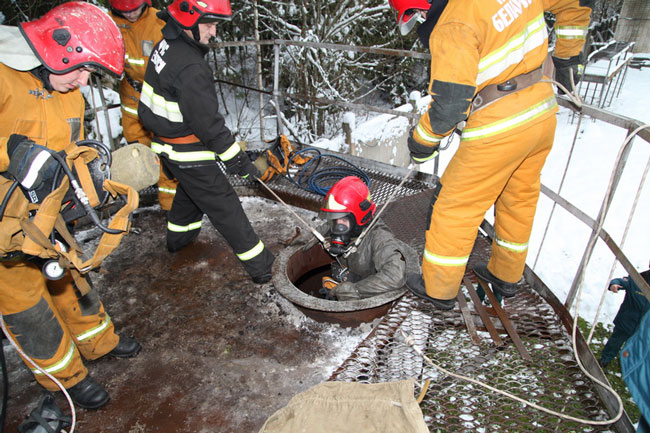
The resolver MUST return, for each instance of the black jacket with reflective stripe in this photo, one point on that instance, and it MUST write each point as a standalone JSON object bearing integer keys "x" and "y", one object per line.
{"x": 178, "y": 72}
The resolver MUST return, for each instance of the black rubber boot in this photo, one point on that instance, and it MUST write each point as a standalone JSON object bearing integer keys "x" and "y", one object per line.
{"x": 127, "y": 347}
{"x": 507, "y": 290}
{"x": 415, "y": 284}
{"x": 88, "y": 394}
{"x": 260, "y": 268}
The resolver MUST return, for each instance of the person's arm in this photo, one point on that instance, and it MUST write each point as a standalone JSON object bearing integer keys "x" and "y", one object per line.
{"x": 454, "y": 67}
{"x": 200, "y": 108}
{"x": 619, "y": 284}
{"x": 390, "y": 267}
{"x": 571, "y": 25}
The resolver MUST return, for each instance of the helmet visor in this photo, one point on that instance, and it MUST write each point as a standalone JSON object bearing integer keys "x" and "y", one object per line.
{"x": 408, "y": 19}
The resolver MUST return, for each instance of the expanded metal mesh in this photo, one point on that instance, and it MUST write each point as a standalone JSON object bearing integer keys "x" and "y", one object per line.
{"x": 552, "y": 380}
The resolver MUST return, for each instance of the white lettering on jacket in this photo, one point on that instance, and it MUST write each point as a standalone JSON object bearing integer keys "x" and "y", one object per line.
{"x": 156, "y": 56}
{"x": 510, "y": 11}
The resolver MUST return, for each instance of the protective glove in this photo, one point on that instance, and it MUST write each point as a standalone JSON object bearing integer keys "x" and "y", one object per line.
{"x": 29, "y": 163}
{"x": 419, "y": 152}
{"x": 327, "y": 288}
{"x": 241, "y": 164}
{"x": 564, "y": 68}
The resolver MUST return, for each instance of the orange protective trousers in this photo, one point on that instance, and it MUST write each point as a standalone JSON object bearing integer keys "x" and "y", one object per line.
{"x": 504, "y": 172}
{"x": 53, "y": 324}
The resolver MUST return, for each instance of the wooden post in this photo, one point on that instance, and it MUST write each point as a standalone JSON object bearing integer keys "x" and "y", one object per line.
{"x": 348, "y": 126}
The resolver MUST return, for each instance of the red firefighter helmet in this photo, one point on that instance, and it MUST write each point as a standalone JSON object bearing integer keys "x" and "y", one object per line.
{"x": 127, "y": 5}
{"x": 187, "y": 13}
{"x": 349, "y": 196}
{"x": 74, "y": 35}
{"x": 408, "y": 12}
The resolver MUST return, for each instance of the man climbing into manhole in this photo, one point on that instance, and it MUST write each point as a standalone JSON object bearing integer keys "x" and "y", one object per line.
{"x": 378, "y": 264}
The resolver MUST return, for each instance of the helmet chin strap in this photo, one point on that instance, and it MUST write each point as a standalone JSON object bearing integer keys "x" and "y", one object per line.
{"x": 196, "y": 33}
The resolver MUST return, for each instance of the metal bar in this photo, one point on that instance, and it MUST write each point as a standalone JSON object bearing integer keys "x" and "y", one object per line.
{"x": 604, "y": 236}
{"x": 358, "y": 49}
{"x": 507, "y": 324}
{"x": 602, "y": 214}
{"x": 276, "y": 84}
{"x": 106, "y": 116}
{"x": 467, "y": 316}
{"x": 608, "y": 117}
{"x": 345, "y": 104}
{"x": 370, "y": 50}
{"x": 623, "y": 425}
{"x": 258, "y": 60}
{"x": 478, "y": 306}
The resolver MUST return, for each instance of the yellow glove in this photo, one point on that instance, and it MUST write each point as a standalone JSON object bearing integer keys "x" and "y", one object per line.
{"x": 328, "y": 284}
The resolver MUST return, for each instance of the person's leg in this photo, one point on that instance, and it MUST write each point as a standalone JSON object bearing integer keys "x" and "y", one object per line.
{"x": 516, "y": 205}
{"x": 37, "y": 327}
{"x": 473, "y": 181}
{"x": 613, "y": 346}
{"x": 208, "y": 188}
{"x": 91, "y": 327}
{"x": 185, "y": 218}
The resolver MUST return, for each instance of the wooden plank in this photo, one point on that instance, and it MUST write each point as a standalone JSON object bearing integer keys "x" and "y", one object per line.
{"x": 462, "y": 303}
{"x": 478, "y": 306}
{"x": 510, "y": 328}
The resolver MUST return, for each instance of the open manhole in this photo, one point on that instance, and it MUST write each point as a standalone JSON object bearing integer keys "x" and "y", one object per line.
{"x": 297, "y": 276}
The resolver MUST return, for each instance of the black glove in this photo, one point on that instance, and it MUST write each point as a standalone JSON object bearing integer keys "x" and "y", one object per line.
{"x": 563, "y": 70}
{"x": 241, "y": 164}
{"x": 29, "y": 163}
{"x": 419, "y": 152}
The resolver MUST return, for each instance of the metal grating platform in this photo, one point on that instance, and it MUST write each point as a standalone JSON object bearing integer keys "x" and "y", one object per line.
{"x": 552, "y": 380}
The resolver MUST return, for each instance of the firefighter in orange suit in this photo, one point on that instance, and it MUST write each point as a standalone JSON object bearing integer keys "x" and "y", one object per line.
{"x": 41, "y": 106}
{"x": 141, "y": 30}
{"x": 486, "y": 59}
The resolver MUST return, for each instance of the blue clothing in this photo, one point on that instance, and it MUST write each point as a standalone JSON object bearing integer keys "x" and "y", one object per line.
{"x": 627, "y": 319}
{"x": 635, "y": 364}
{"x": 634, "y": 305}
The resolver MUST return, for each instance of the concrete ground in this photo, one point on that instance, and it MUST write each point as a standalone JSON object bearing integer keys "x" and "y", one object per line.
{"x": 220, "y": 353}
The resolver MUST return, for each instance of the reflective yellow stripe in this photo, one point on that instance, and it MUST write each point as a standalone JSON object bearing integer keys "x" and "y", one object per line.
{"x": 62, "y": 364}
{"x": 513, "y": 51}
{"x": 422, "y": 132}
{"x": 445, "y": 260}
{"x": 139, "y": 62}
{"x": 159, "y": 105}
{"x": 230, "y": 153}
{"x": 253, "y": 252}
{"x": 511, "y": 122}
{"x": 571, "y": 32}
{"x": 167, "y": 190}
{"x": 183, "y": 229}
{"x": 518, "y": 248}
{"x": 199, "y": 155}
{"x": 130, "y": 110}
{"x": 96, "y": 330}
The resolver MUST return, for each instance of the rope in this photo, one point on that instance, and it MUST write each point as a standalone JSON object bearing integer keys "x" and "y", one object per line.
{"x": 627, "y": 227}
{"x": 319, "y": 181}
{"x": 411, "y": 342}
{"x": 33, "y": 364}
